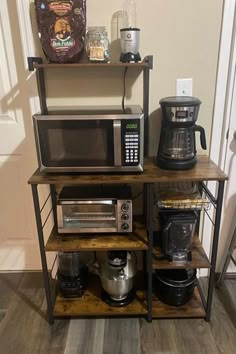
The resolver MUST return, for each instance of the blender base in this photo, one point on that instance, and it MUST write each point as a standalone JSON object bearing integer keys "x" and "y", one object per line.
{"x": 130, "y": 57}
{"x": 118, "y": 303}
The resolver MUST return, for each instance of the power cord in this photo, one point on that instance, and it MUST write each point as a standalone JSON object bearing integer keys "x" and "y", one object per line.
{"x": 124, "y": 89}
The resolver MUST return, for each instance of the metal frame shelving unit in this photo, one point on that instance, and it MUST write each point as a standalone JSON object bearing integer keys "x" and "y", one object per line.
{"x": 141, "y": 239}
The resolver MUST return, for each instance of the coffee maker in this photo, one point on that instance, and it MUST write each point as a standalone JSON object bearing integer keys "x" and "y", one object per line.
{"x": 177, "y": 146}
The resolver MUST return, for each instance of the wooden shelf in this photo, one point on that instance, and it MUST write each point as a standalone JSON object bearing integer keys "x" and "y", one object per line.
{"x": 199, "y": 258}
{"x": 194, "y": 308}
{"x": 91, "y": 304}
{"x": 137, "y": 240}
{"x": 86, "y": 64}
{"x": 205, "y": 170}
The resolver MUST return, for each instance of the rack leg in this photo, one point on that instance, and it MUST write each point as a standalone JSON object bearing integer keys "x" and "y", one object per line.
{"x": 228, "y": 258}
{"x": 149, "y": 252}
{"x": 214, "y": 248}
{"x": 42, "y": 253}
{"x": 54, "y": 203}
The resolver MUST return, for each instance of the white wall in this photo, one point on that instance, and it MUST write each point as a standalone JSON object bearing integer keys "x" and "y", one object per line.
{"x": 183, "y": 37}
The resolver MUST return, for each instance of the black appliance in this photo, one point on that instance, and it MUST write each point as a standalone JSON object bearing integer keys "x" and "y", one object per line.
{"x": 175, "y": 286}
{"x": 177, "y": 231}
{"x": 72, "y": 276}
{"x": 177, "y": 146}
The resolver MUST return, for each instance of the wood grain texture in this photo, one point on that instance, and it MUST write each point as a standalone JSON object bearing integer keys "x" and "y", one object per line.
{"x": 199, "y": 258}
{"x": 86, "y": 64}
{"x": 85, "y": 336}
{"x": 24, "y": 329}
{"x": 91, "y": 304}
{"x": 193, "y": 308}
{"x": 205, "y": 170}
{"x": 122, "y": 336}
{"x": 137, "y": 240}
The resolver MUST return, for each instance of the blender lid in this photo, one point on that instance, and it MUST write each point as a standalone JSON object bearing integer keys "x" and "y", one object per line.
{"x": 180, "y": 101}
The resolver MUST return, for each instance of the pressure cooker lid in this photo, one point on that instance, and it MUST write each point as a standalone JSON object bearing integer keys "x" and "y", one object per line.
{"x": 180, "y": 101}
{"x": 176, "y": 277}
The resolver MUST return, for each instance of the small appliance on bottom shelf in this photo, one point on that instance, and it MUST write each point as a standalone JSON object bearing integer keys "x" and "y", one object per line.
{"x": 175, "y": 286}
{"x": 95, "y": 209}
{"x": 72, "y": 276}
{"x": 117, "y": 275}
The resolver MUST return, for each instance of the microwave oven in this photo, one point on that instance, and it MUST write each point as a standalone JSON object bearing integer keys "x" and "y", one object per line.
{"x": 90, "y": 139}
{"x": 94, "y": 209}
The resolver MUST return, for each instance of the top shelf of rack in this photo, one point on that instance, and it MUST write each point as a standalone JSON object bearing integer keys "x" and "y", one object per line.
{"x": 205, "y": 170}
{"x": 36, "y": 63}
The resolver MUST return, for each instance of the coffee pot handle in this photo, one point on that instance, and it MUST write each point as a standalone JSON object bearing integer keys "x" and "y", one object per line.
{"x": 198, "y": 128}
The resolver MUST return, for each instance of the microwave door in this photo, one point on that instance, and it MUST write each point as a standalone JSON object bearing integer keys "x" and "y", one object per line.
{"x": 75, "y": 145}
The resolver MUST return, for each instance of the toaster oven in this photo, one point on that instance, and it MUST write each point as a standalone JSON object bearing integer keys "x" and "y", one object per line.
{"x": 94, "y": 209}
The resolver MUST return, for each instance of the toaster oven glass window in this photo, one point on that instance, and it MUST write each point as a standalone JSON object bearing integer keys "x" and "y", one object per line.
{"x": 94, "y": 216}
{"x": 75, "y": 142}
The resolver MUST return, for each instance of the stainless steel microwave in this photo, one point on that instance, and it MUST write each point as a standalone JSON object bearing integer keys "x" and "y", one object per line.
{"x": 90, "y": 139}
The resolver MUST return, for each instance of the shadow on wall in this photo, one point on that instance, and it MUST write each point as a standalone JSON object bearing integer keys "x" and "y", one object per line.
{"x": 154, "y": 131}
{"x": 17, "y": 150}
{"x": 89, "y": 82}
{"x": 229, "y": 212}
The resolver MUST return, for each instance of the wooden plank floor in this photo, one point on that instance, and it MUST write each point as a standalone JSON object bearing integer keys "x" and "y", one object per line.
{"x": 24, "y": 329}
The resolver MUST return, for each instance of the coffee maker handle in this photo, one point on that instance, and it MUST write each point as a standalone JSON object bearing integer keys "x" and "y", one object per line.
{"x": 200, "y": 129}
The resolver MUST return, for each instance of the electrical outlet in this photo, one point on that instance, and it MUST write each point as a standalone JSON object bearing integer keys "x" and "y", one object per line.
{"x": 184, "y": 87}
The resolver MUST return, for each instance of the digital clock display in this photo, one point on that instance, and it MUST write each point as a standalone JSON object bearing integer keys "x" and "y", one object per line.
{"x": 132, "y": 126}
{"x": 181, "y": 114}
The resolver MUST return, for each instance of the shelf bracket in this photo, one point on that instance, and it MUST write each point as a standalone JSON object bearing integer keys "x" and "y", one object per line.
{"x": 40, "y": 82}
{"x": 32, "y": 61}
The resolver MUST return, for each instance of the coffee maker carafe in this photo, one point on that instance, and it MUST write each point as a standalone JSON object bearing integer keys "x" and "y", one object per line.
{"x": 177, "y": 146}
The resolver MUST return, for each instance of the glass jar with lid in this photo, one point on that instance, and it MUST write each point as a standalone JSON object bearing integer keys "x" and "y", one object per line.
{"x": 97, "y": 44}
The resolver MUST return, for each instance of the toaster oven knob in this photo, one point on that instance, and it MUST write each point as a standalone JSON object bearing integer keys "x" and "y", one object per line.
{"x": 125, "y": 226}
{"x": 124, "y": 217}
{"x": 124, "y": 207}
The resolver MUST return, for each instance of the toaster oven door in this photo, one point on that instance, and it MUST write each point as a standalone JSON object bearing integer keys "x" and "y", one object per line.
{"x": 87, "y": 217}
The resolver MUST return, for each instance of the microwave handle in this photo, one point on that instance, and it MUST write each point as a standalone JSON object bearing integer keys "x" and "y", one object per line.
{"x": 117, "y": 142}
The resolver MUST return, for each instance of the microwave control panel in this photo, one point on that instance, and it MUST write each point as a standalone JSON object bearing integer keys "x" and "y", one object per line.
{"x": 131, "y": 142}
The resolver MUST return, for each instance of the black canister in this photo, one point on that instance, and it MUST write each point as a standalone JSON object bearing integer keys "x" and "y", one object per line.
{"x": 175, "y": 286}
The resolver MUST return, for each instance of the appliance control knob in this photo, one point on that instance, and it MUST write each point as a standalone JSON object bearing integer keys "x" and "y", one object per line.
{"x": 125, "y": 217}
{"x": 125, "y": 226}
{"x": 124, "y": 207}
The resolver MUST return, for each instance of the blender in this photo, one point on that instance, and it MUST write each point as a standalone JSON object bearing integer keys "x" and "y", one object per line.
{"x": 129, "y": 34}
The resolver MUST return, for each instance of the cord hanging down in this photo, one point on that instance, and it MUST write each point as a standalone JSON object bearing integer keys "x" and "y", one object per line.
{"x": 124, "y": 88}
